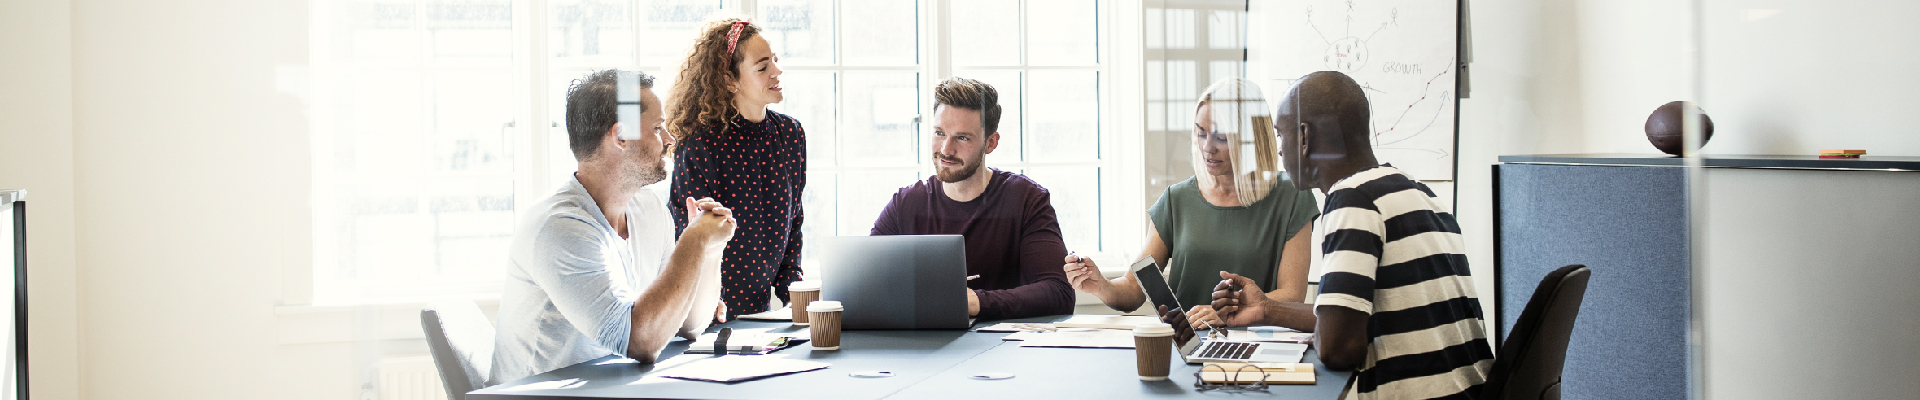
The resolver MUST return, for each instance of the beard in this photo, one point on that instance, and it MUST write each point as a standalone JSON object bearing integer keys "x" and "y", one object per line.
{"x": 646, "y": 171}
{"x": 966, "y": 169}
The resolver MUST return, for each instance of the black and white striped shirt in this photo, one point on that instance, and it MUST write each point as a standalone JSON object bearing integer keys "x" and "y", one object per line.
{"x": 1394, "y": 251}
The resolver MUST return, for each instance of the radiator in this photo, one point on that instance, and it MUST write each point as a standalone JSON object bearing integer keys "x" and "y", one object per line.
{"x": 410, "y": 378}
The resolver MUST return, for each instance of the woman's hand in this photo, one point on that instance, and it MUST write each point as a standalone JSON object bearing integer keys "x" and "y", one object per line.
{"x": 1084, "y": 275}
{"x": 1203, "y": 317}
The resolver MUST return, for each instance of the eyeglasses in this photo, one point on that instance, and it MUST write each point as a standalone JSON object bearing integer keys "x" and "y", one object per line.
{"x": 1230, "y": 380}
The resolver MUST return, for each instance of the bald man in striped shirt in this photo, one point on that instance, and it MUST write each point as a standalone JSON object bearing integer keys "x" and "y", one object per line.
{"x": 1397, "y": 305}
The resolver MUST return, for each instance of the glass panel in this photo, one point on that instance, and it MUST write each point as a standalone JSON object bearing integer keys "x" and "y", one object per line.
{"x": 1225, "y": 29}
{"x": 381, "y": 133}
{"x": 864, "y": 193}
{"x": 473, "y": 223}
{"x": 801, "y": 31}
{"x": 1156, "y": 92}
{"x": 985, "y": 32}
{"x": 809, "y": 99}
{"x": 1062, "y": 33}
{"x": 591, "y": 31}
{"x": 822, "y": 215}
{"x": 1156, "y": 28}
{"x": 414, "y": 169}
{"x": 887, "y": 33}
{"x": 371, "y": 31}
{"x": 1065, "y": 119}
{"x": 1179, "y": 29}
{"x": 470, "y": 115}
{"x": 470, "y": 32}
{"x": 667, "y": 28}
{"x": 383, "y": 226}
{"x": 408, "y": 230}
{"x": 1007, "y": 83}
{"x": 1183, "y": 90}
{"x": 1217, "y": 70}
{"x": 1075, "y": 194}
{"x": 877, "y": 119}
{"x": 560, "y": 161}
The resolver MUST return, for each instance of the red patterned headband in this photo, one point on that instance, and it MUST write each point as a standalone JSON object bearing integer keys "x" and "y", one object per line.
{"x": 733, "y": 35}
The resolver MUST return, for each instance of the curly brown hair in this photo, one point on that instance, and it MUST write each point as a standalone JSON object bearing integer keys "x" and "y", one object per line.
{"x": 699, "y": 96}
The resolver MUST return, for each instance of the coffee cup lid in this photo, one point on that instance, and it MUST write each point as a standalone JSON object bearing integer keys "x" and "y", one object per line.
{"x": 1153, "y": 330}
{"x": 823, "y": 306}
{"x": 803, "y": 286}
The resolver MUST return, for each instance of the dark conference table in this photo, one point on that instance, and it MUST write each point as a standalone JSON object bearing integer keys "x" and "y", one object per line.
{"x": 925, "y": 364}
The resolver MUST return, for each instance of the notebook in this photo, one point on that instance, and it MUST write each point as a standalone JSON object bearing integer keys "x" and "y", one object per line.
{"x": 1272, "y": 373}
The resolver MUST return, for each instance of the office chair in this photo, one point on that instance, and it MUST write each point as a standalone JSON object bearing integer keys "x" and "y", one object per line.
{"x": 1529, "y": 363}
{"x": 461, "y": 340}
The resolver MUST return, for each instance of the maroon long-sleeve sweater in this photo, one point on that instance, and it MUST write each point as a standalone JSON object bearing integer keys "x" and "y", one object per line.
{"x": 1013, "y": 241}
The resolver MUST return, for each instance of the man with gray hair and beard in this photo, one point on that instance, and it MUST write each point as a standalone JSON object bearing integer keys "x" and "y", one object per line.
{"x": 1012, "y": 235}
{"x": 593, "y": 269}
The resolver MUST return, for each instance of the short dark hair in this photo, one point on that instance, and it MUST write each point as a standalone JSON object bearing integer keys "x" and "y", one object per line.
{"x": 592, "y": 108}
{"x": 1330, "y": 95}
{"x": 972, "y": 95}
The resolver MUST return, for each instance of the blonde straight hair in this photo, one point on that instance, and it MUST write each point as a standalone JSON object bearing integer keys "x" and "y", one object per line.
{"x": 1240, "y": 110}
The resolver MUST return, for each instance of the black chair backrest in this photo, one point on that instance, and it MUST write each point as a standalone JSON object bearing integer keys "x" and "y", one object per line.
{"x": 1529, "y": 363}
{"x": 461, "y": 341}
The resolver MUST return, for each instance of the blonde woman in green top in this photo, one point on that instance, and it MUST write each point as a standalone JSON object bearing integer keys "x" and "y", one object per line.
{"x": 1235, "y": 215}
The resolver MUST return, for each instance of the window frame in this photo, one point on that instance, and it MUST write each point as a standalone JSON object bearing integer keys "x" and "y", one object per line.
{"x": 534, "y": 129}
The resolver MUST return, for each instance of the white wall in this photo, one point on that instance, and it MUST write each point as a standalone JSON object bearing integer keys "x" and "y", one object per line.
{"x": 1559, "y": 76}
{"x": 36, "y": 153}
{"x": 1797, "y": 76}
{"x": 191, "y": 169}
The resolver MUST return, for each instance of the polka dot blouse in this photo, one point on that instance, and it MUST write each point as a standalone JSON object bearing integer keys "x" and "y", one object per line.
{"x": 758, "y": 171}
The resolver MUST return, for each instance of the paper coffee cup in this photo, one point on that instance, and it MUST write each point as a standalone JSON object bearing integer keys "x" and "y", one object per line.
{"x": 1153, "y": 350}
{"x": 802, "y": 293}
{"x": 825, "y": 315}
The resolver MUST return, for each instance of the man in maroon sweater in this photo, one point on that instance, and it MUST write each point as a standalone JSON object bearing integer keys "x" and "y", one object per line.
{"x": 1013, "y": 238}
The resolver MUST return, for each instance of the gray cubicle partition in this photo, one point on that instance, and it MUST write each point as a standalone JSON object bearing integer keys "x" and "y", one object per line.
{"x": 1627, "y": 223}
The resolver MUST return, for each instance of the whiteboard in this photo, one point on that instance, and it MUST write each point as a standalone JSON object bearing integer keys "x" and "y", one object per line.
{"x": 1402, "y": 52}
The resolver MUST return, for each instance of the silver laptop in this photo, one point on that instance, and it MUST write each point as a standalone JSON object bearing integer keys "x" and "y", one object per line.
{"x": 1214, "y": 347}
{"x": 896, "y": 282}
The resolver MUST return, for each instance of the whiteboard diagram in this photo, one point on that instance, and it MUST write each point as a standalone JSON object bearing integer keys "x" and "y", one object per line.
{"x": 1402, "y": 52}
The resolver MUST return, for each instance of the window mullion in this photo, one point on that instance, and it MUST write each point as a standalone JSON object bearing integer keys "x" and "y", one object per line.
{"x": 539, "y": 126}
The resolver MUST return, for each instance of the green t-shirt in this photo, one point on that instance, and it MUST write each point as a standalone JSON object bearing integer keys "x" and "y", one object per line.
{"x": 1203, "y": 239}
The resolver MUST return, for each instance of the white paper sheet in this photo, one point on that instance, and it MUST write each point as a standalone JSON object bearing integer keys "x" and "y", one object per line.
{"x": 782, "y": 314}
{"x": 739, "y": 368}
{"x": 1102, "y": 338}
{"x": 1107, "y": 321}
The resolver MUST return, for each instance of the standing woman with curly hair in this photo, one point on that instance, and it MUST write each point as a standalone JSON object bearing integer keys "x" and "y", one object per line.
{"x": 735, "y": 150}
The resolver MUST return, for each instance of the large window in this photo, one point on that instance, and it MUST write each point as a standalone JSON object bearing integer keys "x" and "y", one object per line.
{"x": 1189, "y": 45}
{"x": 413, "y": 147}
{"x": 436, "y": 119}
{"x": 856, "y": 88}
{"x": 1044, "y": 56}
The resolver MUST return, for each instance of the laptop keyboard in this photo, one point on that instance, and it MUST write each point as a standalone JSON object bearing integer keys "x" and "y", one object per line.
{"x": 1228, "y": 350}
